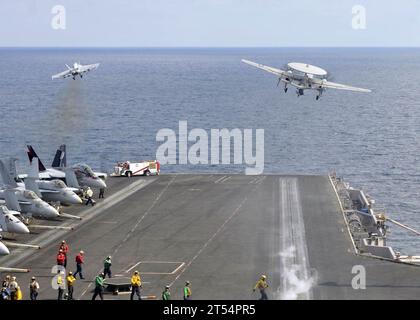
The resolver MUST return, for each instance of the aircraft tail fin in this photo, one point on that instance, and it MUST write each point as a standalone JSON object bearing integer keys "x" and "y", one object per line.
{"x": 68, "y": 66}
{"x": 34, "y": 169}
{"x": 30, "y": 184}
{"x": 11, "y": 200}
{"x": 3, "y": 212}
{"x": 8, "y": 172}
{"x": 60, "y": 159}
{"x": 71, "y": 179}
{"x": 32, "y": 154}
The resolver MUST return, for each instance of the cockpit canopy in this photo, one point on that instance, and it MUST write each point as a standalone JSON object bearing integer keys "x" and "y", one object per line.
{"x": 28, "y": 194}
{"x": 59, "y": 184}
{"x": 85, "y": 169}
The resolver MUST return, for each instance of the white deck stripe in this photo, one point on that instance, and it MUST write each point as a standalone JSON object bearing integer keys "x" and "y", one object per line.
{"x": 294, "y": 251}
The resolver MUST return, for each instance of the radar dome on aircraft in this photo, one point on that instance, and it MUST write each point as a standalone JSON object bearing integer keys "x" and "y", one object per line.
{"x": 307, "y": 68}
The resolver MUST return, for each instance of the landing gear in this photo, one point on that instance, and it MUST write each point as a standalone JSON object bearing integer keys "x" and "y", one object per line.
{"x": 320, "y": 90}
{"x": 285, "y": 87}
{"x": 81, "y": 76}
{"x": 299, "y": 92}
{"x": 74, "y": 78}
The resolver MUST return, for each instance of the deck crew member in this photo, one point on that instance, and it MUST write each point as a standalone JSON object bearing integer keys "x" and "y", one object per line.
{"x": 65, "y": 249}
{"x": 107, "y": 266}
{"x": 262, "y": 286}
{"x": 60, "y": 285}
{"x": 61, "y": 258}
{"x": 5, "y": 291}
{"x": 70, "y": 285}
{"x": 6, "y": 282}
{"x": 5, "y": 288}
{"x": 101, "y": 193}
{"x": 187, "y": 291}
{"x": 135, "y": 285}
{"x": 33, "y": 289}
{"x": 89, "y": 195}
{"x": 79, "y": 264}
{"x": 99, "y": 286}
{"x": 13, "y": 285}
{"x": 19, "y": 295}
{"x": 166, "y": 294}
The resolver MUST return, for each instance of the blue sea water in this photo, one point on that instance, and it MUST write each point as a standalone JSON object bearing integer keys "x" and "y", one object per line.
{"x": 114, "y": 113}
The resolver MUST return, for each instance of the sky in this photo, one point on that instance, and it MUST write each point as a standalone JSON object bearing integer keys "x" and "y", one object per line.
{"x": 209, "y": 23}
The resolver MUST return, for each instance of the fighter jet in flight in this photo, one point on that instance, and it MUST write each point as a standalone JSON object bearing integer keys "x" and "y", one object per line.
{"x": 77, "y": 70}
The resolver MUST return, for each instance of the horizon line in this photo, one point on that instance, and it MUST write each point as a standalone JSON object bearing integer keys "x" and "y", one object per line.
{"x": 209, "y": 47}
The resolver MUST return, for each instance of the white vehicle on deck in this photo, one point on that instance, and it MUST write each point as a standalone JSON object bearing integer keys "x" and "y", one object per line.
{"x": 129, "y": 169}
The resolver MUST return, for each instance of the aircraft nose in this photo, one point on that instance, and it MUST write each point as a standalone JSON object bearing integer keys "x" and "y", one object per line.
{"x": 19, "y": 228}
{"x": 75, "y": 199}
{"x": 3, "y": 249}
{"x": 50, "y": 212}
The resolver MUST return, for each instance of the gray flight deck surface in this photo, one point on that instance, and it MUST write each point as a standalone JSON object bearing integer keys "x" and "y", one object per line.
{"x": 221, "y": 232}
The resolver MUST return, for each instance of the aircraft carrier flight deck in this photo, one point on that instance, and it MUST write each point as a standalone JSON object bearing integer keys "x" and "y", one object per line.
{"x": 220, "y": 232}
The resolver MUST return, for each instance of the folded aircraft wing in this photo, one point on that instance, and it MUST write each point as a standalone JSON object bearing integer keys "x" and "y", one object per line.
{"x": 62, "y": 75}
{"x": 277, "y": 72}
{"x": 30, "y": 184}
{"x": 339, "y": 86}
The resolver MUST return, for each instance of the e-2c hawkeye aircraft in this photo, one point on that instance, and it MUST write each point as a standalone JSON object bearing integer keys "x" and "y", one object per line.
{"x": 77, "y": 70}
{"x": 304, "y": 76}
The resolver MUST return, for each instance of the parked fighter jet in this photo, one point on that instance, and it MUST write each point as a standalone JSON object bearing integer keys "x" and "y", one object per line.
{"x": 3, "y": 249}
{"x": 10, "y": 223}
{"x": 28, "y": 201}
{"x": 49, "y": 190}
{"x": 77, "y": 70}
{"x": 79, "y": 175}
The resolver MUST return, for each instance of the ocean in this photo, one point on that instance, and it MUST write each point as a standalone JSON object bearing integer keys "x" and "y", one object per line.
{"x": 114, "y": 113}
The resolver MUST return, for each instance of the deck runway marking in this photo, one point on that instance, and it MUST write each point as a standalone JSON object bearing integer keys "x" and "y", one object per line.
{"x": 220, "y": 179}
{"x": 294, "y": 251}
{"x": 252, "y": 181}
{"x": 136, "y": 225}
{"x": 178, "y": 264}
{"x": 257, "y": 180}
{"x": 227, "y": 178}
